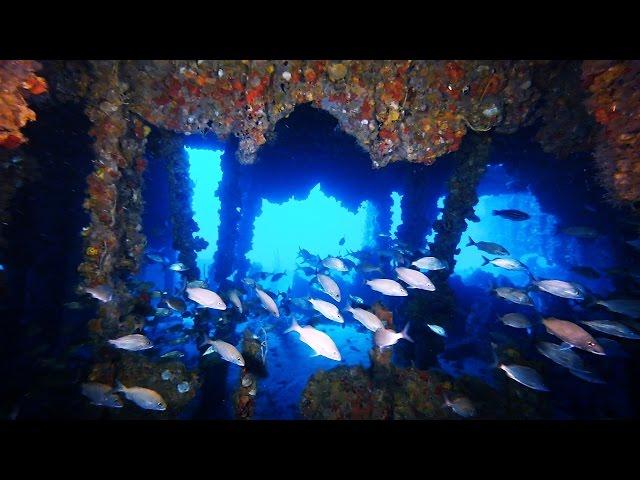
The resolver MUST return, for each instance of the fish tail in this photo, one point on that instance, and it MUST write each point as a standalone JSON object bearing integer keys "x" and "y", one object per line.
{"x": 495, "y": 363}
{"x": 405, "y": 332}
{"x": 118, "y": 387}
{"x": 206, "y": 340}
{"x": 486, "y": 260}
{"x": 471, "y": 242}
{"x": 496, "y": 212}
{"x": 294, "y": 326}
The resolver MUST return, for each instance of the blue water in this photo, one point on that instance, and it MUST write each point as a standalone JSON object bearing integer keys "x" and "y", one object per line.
{"x": 318, "y": 222}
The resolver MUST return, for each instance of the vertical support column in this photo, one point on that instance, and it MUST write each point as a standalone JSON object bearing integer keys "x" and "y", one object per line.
{"x": 251, "y": 206}
{"x": 114, "y": 240}
{"x": 419, "y": 210}
{"x": 461, "y": 198}
{"x": 383, "y": 206}
{"x": 230, "y": 197}
{"x": 180, "y": 198}
{"x": 439, "y": 306}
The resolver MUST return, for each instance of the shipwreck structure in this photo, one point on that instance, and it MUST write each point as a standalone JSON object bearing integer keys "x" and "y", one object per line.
{"x": 405, "y": 114}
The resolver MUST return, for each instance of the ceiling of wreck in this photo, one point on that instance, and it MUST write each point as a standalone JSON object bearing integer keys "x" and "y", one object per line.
{"x": 396, "y": 110}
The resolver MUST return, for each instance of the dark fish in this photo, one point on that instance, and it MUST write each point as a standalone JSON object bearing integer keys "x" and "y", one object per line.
{"x": 306, "y": 255}
{"x": 560, "y": 355}
{"x": 489, "y": 247}
{"x": 585, "y": 271}
{"x": 515, "y": 215}
{"x": 308, "y": 270}
{"x": 588, "y": 376}
{"x": 629, "y": 307}
{"x": 176, "y": 304}
{"x": 580, "y": 232}
{"x": 613, "y": 328}
{"x": 612, "y": 348}
{"x": 277, "y": 276}
{"x": 527, "y": 376}
{"x": 348, "y": 263}
{"x": 341, "y": 242}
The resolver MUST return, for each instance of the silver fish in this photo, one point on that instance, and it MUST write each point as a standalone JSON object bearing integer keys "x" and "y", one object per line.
{"x": 573, "y": 335}
{"x": 320, "y": 342}
{"x": 588, "y": 376}
{"x": 387, "y": 287}
{"x": 514, "y": 295}
{"x": 162, "y": 312}
{"x": 356, "y": 299}
{"x": 329, "y": 286}
{"x": 133, "y": 343}
{"x": 415, "y": 279}
{"x": 156, "y": 258}
{"x": 143, "y": 397}
{"x": 178, "y": 267}
{"x": 516, "y": 320}
{"x": 612, "y": 328}
{"x": 506, "y": 263}
{"x": 104, "y": 293}
{"x": 461, "y": 405}
{"x": 560, "y": 288}
{"x": 101, "y": 395}
{"x": 335, "y": 263}
{"x": 268, "y": 303}
{"x": 429, "y": 263}
{"x": 197, "y": 284}
{"x": 385, "y": 337}
{"x": 235, "y": 299}
{"x": 437, "y": 329}
{"x": 367, "y": 267}
{"x": 525, "y": 375}
{"x": 624, "y": 306}
{"x": 227, "y": 351}
{"x": 564, "y": 357}
{"x": 366, "y": 318}
{"x": 172, "y": 354}
{"x": 328, "y": 310}
{"x": 206, "y": 298}
{"x": 489, "y": 247}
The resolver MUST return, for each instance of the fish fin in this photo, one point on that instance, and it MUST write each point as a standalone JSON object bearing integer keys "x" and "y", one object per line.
{"x": 565, "y": 346}
{"x": 206, "y": 341}
{"x": 495, "y": 363}
{"x": 486, "y": 260}
{"x": 294, "y": 326}
{"x": 496, "y": 212}
{"x": 405, "y": 332}
{"x": 529, "y": 331}
{"x": 118, "y": 387}
{"x": 471, "y": 242}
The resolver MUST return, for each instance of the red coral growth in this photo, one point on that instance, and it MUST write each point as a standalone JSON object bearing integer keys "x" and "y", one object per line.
{"x": 615, "y": 105}
{"x": 17, "y": 80}
{"x": 397, "y": 110}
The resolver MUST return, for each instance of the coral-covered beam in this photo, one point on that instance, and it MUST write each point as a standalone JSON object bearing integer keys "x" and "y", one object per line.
{"x": 181, "y": 211}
